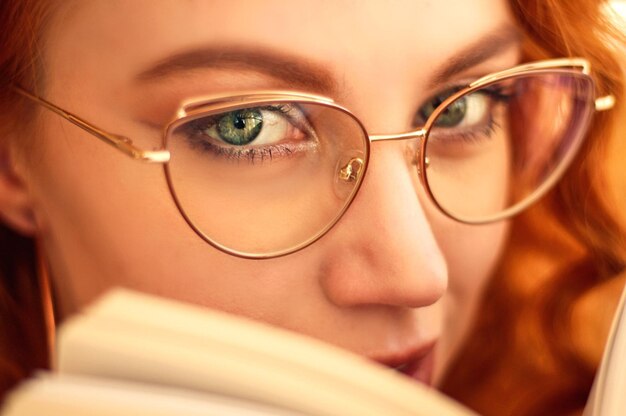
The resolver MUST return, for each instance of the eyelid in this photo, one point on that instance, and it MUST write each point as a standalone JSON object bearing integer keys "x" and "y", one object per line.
{"x": 453, "y": 85}
{"x": 463, "y": 80}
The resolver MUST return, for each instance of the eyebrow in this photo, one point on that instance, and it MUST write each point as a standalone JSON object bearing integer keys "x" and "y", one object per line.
{"x": 294, "y": 70}
{"x": 300, "y": 72}
{"x": 489, "y": 46}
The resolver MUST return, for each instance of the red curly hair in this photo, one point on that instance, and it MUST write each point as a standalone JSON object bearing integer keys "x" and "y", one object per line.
{"x": 524, "y": 348}
{"x": 545, "y": 315}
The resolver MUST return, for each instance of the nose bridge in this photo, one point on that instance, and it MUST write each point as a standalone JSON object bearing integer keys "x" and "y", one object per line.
{"x": 412, "y": 152}
{"x": 385, "y": 251}
{"x": 414, "y": 134}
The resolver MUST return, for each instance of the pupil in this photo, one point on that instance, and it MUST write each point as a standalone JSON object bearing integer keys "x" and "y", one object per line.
{"x": 240, "y": 122}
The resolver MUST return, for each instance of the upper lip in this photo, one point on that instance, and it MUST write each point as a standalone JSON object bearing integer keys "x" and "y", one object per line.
{"x": 409, "y": 356}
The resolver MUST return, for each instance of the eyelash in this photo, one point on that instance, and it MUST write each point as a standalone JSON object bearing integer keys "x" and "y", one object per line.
{"x": 485, "y": 133}
{"x": 256, "y": 154}
{"x": 251, "y": 153}
{"x": 498, "y": 96}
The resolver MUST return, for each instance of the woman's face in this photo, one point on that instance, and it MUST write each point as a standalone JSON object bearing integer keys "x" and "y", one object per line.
{"x": 390, "y": 279}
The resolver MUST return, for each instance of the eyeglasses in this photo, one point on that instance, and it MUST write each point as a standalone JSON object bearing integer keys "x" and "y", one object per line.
{"x": 266, "y": 173}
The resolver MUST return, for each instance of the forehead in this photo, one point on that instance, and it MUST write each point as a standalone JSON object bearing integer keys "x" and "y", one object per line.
{"x": 126, "y": 37}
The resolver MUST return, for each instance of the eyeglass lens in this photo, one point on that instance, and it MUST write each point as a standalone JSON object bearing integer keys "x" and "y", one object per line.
{"x": 264, "y": 179}
{"x": 492, "y": 149}
{"x": 267, "y": 178}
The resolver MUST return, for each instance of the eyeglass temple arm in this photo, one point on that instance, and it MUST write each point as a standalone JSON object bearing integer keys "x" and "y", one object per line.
{"x": 605, "y": 103}
{"x": 601, "y": 104}
{"x": 122, "y": 143}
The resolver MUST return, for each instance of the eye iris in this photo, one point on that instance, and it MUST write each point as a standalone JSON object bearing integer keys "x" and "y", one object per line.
{"x": 451, "y": 116}
{"x": 240, "y": 127}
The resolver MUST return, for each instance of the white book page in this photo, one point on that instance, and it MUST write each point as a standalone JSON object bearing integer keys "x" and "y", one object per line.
{"x": 62, "y": 395}
{"x": 608, "y": 396}
{"x": 138, "y": 337}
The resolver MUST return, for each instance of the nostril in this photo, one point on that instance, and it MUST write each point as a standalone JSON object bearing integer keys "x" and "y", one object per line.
{"x": 354, "y": 275}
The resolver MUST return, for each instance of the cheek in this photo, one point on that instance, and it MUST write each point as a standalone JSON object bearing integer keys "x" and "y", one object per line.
{"x": 472, "y": 253}
{"x": 107, "y": 220}
{"x": 98, "y": 210}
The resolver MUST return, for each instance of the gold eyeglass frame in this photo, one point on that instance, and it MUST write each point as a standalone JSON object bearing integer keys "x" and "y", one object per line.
{"x": 356, "y": 168}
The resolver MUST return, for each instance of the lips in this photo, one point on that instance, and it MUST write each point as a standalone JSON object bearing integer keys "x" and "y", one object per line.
{"x": 415, "y": 362}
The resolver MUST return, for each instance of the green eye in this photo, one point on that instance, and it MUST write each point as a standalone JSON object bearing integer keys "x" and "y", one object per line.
{"x": 451, "y": 116}
{"x": 240, "y": 127}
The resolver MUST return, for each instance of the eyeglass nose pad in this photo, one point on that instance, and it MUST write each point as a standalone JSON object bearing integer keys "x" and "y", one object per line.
{"x": 348, "y": 173}
{"x": 414, "y": 155}
{"x": 351, "y": 171}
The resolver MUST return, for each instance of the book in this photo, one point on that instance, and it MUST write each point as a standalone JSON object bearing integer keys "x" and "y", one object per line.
{"x": 136, "y": 354}
{"x": 608, "y": 395}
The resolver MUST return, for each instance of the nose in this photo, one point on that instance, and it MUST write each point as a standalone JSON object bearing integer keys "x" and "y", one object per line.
{"x": 383, "y": 251}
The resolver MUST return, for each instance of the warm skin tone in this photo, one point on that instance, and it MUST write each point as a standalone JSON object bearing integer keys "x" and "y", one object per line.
{"x": 394, "y": 274}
